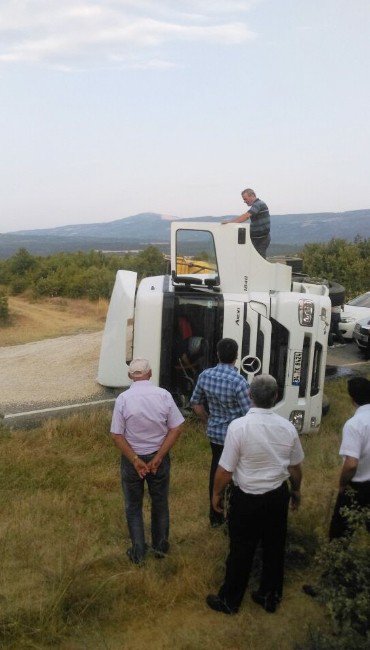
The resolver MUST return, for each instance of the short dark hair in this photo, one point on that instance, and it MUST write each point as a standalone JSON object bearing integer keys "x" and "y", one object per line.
{"x": 359, "y": 390}
{"x": 263, "y": 391}
{"x": 227, "y": 350}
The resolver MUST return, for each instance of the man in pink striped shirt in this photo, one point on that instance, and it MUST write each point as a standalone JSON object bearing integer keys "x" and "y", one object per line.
{"x": 145, "y": 425}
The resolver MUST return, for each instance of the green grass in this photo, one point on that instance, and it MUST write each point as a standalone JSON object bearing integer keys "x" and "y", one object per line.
{"x": 65, "y": 580}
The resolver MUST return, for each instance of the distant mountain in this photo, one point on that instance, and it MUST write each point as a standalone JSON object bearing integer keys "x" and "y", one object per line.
{"x": 289, "y": 233}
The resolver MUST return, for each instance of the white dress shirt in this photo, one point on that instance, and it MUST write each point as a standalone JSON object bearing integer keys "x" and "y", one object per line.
{"x": 258, "y": 449}
{"x": 356, "y": 442}
{"x": 143, "y": 414}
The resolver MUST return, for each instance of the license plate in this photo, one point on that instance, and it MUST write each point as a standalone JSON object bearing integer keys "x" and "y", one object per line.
{"x": 296, "y": 380}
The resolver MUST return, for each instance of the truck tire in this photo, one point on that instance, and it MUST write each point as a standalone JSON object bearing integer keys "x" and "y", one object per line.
{"x": 295, "y": 263}
{"x": 336, "y": 291}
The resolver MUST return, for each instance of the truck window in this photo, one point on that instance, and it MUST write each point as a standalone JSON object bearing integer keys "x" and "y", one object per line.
{"x": 196, "y": 253}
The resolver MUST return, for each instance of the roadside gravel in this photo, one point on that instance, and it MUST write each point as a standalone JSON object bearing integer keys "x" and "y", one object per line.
{"x": 51, "y": 372}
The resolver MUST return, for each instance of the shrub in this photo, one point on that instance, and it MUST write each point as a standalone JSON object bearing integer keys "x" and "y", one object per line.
{"x": 4, "y": 308}
{"x": 344, "y": 262}
{"x": 344, "y": 587}
{"x": 18, "y": 285}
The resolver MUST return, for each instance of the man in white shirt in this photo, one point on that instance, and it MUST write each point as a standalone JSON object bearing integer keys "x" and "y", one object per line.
{"x": 262, "y": 452}
{"x": 354, "y": 480}
{"x": 145, "y": 425}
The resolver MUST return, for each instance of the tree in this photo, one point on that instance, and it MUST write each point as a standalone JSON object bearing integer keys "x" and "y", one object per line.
{"x": 338, "y": 260}
{"x": 22, "y": 262}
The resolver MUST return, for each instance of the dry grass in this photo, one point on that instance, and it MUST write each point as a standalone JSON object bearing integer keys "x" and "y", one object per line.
{"x": 65, "y": 580}
{"x": 32, "y": 320}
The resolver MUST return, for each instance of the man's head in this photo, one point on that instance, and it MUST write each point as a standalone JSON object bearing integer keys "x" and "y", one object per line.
{"x": 227, "y": 350}
{"x": 248, "y": 196}
{"x": 263, "y": 391}
{"x": 359, "y": 390}
{"x": 139, "y": 369}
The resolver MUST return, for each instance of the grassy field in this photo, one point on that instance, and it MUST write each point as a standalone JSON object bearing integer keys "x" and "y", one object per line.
{"x": 32, "y": 320}
{"x": 65, "y": 580}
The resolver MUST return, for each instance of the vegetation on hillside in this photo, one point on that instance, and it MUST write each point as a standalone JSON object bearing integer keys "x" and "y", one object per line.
{"x": 341, "y": 261}
{"x": 91, "y": 275}
{"x": 75, "y": 275}
{"x": 65, "y": 580}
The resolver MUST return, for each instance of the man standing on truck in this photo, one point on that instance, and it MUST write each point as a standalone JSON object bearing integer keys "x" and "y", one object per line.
{"x": 145, "y": 425}
{"x": 262, "y": 453}
{"x": 220, "y": 396}
{"x": 259, "y": 216}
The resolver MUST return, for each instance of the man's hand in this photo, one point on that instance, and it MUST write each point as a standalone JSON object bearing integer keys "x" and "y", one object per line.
{"x": 218, "y": 502}
{"x": 349, "y": 469}
{"x": 243, "y": 217}
{"x": 201, "y": 412}
{"x": 141, "y": 467}
{"x": 155, "y": 463}
{"x": 295, "y": 500}
{"x": 222, "y": 479}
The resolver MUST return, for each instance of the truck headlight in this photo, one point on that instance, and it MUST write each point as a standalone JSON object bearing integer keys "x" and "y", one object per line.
{"x": 347, "y": 319}
{"x": 297, "y": 418}
{"x": 306, "y": 311}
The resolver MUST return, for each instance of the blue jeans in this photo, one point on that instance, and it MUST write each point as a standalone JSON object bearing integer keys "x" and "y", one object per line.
{"x": 133, "y": 490}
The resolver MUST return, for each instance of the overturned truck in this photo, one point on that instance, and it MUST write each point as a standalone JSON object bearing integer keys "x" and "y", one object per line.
{"x": 219, "y": 286}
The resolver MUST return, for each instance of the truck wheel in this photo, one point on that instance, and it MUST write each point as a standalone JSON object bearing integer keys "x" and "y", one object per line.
{"x": 296, "y": 264}
{"x": 336, "y": 290}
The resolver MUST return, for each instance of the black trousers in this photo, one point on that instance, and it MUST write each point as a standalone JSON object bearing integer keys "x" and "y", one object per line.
{"x": 360, "y": 497}
{"x": 216, "y": 455}
{"x": 261, "y": 244}
{"x": 334, "y": 330}
{"x": 255, "y": 518}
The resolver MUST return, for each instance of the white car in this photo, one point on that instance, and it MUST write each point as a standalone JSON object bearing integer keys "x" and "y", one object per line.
{"x": 356, "y": 309}
{"x": 361, "y": 334}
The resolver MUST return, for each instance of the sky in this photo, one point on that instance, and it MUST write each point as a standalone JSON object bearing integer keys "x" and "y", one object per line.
{"x": 110, "y": 108}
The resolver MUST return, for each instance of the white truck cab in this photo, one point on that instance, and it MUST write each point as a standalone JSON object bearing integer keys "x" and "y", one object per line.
{"x": 219, "y": 286}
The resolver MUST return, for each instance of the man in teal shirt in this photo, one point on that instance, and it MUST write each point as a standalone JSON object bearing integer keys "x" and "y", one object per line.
{"x": 259, "y": 216}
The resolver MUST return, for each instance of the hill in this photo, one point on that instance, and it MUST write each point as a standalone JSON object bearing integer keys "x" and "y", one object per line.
{"x": 289, "y": 233}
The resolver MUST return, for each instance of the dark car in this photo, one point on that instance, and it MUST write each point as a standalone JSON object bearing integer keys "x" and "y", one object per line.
{"x": 361, "y": 334}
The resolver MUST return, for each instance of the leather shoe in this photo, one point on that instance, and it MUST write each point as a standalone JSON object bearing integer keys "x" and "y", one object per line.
{"x": 219, "y": 605}
{"x": 269, "y": 602}
{"x": 310, "y": 590}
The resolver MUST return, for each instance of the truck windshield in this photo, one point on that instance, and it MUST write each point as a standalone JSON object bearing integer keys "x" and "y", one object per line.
{"x": 196, "y": 254}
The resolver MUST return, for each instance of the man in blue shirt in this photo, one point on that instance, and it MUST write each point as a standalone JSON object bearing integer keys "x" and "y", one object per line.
{"x": 220, "y": 396}
{"x": 259, "y": 216}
